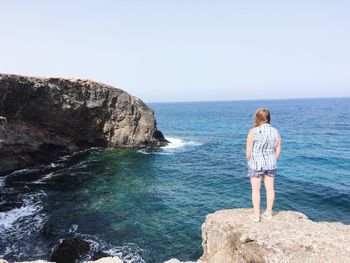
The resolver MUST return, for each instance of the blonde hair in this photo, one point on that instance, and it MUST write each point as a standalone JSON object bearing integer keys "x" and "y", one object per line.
{"x": 262, "y": 116}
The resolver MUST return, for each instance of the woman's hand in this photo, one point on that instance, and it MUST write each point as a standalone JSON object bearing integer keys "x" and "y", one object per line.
{"x": 278, "y": 147}
{"x": 248, "y": 150}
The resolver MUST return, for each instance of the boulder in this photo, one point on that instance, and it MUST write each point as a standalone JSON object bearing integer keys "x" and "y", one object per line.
{"x": 44, "y": 118}
{"x": 69, "y": 250}
{"x": 229, "y": 236}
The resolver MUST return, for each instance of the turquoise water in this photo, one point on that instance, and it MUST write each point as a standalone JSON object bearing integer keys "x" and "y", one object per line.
{"x": 148, "y": 206}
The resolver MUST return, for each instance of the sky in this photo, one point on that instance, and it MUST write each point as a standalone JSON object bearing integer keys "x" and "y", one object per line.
{"x": 184, "y": 50}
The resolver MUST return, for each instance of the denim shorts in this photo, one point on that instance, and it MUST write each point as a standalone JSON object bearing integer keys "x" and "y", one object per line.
{"x": 255, "y": 173}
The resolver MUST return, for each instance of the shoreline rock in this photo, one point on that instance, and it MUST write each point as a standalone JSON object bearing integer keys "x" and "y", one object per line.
{"x": 44, "y": 118}
{"x": 229, "y": 236}
{"x": 70, "y": 250}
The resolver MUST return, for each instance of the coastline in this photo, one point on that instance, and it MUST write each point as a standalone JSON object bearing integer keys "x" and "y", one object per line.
{"x": 137, "y": 196}
{"x": 229, "y": 236}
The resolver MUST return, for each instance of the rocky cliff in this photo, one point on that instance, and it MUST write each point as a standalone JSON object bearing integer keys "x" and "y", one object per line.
{"x": 229, "y": 237}
{"x": 49, "y": 117}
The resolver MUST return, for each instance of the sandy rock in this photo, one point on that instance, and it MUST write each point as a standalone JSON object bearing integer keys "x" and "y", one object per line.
{"x": 107, "y": 260}
{"x": 43, "y": 118}
{"x": 228, "y": 236}
{"x": 174, "y": 260}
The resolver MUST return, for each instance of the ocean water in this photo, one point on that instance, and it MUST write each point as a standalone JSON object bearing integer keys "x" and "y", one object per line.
{"x": 148, "y": 206}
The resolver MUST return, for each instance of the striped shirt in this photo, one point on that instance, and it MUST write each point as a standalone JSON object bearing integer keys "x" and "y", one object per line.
{"x": 263, "y": 148}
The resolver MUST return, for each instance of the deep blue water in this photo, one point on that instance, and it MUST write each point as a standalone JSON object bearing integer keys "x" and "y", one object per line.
{"x": 149, "y": 206}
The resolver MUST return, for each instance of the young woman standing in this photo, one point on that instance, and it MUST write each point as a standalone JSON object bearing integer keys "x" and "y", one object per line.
{"x": 263, "y": 149}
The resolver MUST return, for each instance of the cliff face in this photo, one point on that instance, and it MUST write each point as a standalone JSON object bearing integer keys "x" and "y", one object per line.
{"x": 51, "y": 116}
{"x": 229, "y": 237}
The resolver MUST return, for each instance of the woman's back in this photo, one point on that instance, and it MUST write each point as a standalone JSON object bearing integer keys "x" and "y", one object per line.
{"x": 263, "y": 148}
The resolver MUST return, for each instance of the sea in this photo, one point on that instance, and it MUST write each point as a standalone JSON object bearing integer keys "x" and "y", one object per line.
{"x": 148, "y": 205}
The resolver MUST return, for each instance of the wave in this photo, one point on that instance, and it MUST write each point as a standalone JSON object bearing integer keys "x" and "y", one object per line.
{"x": 128, "y": 252}
{"x": 30, "y": 207}
{"x": 8, "y": 218}
{"x": 20, "y": 172}
{"x": 46, "y": 177}
{"x": 174, "y": 145}
{"x": 2, "y": 182}
{"x": 18, "y": 225}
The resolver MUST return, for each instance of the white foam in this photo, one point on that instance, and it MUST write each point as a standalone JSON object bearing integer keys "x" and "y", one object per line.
{"x": 176, "y": 143}
{"x": 128, "y": 252}
{"x": 143, "y": 151}
{"x": 45, "y": 178}
{"x": 2, "y": 182}
{"x": 53, "y": 165}
{"x": 73, "y": 228}
{"x": 29, "y": 208}
{"x": 21, "y": 171}
{"x": 8, "y": 218}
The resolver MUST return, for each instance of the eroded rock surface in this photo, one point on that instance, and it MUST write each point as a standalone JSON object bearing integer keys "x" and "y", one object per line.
{"x": 230, "y": 237}
{"x": 42, "y": 118}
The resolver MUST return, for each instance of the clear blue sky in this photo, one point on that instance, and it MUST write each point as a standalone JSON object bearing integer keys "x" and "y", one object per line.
{"x": 183, "y": 50}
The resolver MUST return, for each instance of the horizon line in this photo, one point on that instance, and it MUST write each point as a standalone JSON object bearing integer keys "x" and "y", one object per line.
{"x": 233, "y": 100}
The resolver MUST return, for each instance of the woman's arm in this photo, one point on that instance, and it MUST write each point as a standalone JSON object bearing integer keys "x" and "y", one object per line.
{"x": 278, "y": 147}
{"x": 248, "y": 149}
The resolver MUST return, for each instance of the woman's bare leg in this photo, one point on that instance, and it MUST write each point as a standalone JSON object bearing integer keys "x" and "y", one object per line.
{"x": 256, "y": 185}
{"x": 270, "y": 193}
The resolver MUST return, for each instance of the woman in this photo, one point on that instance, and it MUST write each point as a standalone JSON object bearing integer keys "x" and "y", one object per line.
{"x": 262, "y": 151}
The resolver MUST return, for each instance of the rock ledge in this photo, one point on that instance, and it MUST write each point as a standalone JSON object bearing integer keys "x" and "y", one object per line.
{"x": 229, "y": 236}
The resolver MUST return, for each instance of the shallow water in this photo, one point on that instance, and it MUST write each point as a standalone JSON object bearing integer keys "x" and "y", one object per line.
{"x": 148, "y": 206}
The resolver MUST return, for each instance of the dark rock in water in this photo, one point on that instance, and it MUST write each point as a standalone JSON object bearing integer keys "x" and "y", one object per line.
{"x": 44, "y": 118}
{"x": 70, "y": 250}
{"x": 100, "y": 254}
